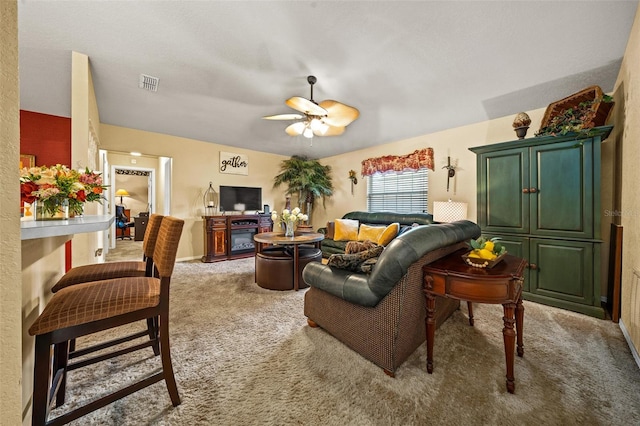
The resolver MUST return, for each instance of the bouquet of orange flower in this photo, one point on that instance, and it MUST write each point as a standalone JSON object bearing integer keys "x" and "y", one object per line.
{"x": 56, "y": 185}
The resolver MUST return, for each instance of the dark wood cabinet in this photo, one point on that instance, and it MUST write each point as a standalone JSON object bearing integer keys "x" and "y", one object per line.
{"x": 231, "y": 237}
{"x": 140, "y": 227}
{"x": 541, "y": 196}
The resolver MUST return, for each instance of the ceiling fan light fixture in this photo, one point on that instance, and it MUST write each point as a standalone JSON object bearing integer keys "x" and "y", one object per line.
{"x": 315, "y": 125}
{"x": 308, "y": 133}
{"x": 329, "y": 118}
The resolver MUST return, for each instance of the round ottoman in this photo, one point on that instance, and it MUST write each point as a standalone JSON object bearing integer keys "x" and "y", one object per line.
{"x": 274, "y": 266}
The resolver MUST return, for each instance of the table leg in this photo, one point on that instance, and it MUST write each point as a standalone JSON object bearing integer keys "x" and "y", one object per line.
{"x": 470, "y": 309}
{"x": 519, "y": 325}
{"x": 509, "y": 336}
{"x": 296, "y": 256}
{"x": 430, "y": 322}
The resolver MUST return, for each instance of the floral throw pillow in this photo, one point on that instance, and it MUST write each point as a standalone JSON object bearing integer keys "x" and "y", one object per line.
{"x": 352, "y": 262}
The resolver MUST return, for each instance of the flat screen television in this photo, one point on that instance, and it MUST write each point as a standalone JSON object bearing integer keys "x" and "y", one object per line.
{"x": 240, "y": 198}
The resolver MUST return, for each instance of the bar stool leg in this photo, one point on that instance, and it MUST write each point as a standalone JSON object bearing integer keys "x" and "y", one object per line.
{"x": 60, "y": 361}
{"x": 40, "y": 402}
{"x": 167, "y": 367}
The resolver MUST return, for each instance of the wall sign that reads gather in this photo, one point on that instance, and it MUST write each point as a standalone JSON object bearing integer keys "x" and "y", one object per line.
{"x": 236, "y": 164}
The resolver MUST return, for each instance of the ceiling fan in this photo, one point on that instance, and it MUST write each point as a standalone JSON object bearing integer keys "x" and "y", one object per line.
{"x": 327, "y": 118}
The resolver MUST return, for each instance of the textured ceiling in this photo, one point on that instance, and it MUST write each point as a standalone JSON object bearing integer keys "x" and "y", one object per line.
{"x": 411, "y": 68}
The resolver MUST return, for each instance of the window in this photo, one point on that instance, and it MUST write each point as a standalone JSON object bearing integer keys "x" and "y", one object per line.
{"x": 398, "y": 192}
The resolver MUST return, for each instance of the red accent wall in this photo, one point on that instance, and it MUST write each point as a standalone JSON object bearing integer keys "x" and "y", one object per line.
{"x": 48, "y": 137}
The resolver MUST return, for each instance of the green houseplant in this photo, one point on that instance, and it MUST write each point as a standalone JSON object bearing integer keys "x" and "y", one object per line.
{"x": 307, "y": 178}
{"x": 578, "y": 118}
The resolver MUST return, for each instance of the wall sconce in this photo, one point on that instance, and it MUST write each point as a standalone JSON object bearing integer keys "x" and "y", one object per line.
{"x": 353, "y": 179}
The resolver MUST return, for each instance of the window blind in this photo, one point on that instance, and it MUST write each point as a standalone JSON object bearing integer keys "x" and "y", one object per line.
{"x": 398, "y": 192}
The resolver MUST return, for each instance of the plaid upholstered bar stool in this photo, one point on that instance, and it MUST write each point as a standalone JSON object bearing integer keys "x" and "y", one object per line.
{"x": 111, "y": 270}
{"x": 83, "y": 309}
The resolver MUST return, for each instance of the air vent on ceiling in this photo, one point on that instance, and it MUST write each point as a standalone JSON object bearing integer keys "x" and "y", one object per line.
{"x": 148, "y": 82}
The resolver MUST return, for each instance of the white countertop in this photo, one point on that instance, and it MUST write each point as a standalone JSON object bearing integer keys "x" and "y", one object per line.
{"x": 53, "y": 228}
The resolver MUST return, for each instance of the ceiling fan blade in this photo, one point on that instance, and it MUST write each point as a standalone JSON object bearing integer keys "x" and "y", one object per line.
{"x": 305, "y": 106}
{"x": 331, "y": 131}
{"x": 339, "y": 114}
{"x": 295, "y": 129}
{"x": 283, "y": 117}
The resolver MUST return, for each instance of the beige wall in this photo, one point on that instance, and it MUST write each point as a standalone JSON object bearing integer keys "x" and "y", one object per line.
{"x": 84, "y": 110}
{"x": 454, "y": 143}
{"x": 10, "y": 249}
{"x": 195, "y": 164}
{"x": 627, "y": 135}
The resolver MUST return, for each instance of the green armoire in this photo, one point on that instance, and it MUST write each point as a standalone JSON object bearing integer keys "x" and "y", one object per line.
{"x": 541, "y": 196}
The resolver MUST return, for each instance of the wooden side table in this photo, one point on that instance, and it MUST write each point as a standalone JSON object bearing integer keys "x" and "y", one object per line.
{"x": 451, "y": 277}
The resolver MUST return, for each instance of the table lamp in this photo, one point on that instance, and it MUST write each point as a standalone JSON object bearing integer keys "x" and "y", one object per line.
{"x": 449, "y": 211}
{"x": 122, "y": 193}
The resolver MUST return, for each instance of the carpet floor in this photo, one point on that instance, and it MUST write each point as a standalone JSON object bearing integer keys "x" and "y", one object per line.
{"x": 244, "y": 355}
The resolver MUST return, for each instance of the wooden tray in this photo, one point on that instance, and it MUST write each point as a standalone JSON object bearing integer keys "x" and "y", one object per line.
{"x": 482, "y": 263}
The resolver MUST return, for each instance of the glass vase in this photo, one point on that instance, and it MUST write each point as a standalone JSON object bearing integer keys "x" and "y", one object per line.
{"x": 51, "y": 210}
{"x": 289, "y": 229}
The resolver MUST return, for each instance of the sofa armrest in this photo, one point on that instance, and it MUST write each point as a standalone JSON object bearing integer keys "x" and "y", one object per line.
{"x": 330, "y": 230}
{"x": 341, "y": 283}
{"x": 392, "y": 265}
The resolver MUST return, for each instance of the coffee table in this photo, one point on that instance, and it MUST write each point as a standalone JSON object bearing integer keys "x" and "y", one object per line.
{"x": 295, "y": 241}
{"x": 450, "y": 277}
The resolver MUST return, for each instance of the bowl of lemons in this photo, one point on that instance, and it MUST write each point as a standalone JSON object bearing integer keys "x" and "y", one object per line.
{"x": 485, "y": 253}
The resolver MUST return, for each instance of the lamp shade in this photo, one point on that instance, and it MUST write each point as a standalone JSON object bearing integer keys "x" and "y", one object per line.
{"x": 122, "y": 193}
{"x": 449, "y": 211}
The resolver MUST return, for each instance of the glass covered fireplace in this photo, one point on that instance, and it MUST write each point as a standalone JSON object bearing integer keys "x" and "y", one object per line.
{"x": 242, "y": 240}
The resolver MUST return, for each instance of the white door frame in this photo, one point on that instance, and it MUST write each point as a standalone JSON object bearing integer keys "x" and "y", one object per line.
{"x": 151, "y": 195}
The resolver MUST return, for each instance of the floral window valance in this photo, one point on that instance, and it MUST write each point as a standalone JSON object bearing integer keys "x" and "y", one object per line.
{"x": 418, "y": 159}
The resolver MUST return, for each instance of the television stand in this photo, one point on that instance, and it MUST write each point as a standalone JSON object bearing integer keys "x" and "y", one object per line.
{"x": 231, "y": 237}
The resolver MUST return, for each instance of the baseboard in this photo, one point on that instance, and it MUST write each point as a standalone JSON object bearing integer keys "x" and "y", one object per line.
{"x": 187, "y": 259}
{"x": 627, "y": 337}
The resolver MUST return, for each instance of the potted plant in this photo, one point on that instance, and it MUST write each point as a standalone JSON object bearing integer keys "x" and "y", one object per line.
{"x": 307, "y": 178}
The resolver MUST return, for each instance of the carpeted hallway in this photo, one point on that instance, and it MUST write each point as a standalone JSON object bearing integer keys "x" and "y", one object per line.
{"x": 244, "y": 355}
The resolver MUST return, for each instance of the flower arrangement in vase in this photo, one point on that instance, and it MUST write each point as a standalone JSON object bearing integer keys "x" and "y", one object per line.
{"x": 288, "y": 220}
{"x": 58, "y": 191}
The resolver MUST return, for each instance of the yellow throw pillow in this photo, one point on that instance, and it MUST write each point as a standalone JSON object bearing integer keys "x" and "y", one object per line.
{"x": 345, "y": 230}
{"x": 370, "y": 233}
{"x": 388, "y": 234}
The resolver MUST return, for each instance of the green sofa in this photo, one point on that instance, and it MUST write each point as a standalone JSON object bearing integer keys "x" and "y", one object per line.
{"x": 381, "y": 315}
{"x": 329, "y": 246}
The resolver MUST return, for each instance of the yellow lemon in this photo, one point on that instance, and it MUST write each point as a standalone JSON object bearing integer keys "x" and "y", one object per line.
{"x": 474, "y": 254}
{"x": 486, "y": 254}
{"x": 489, "y": 246}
